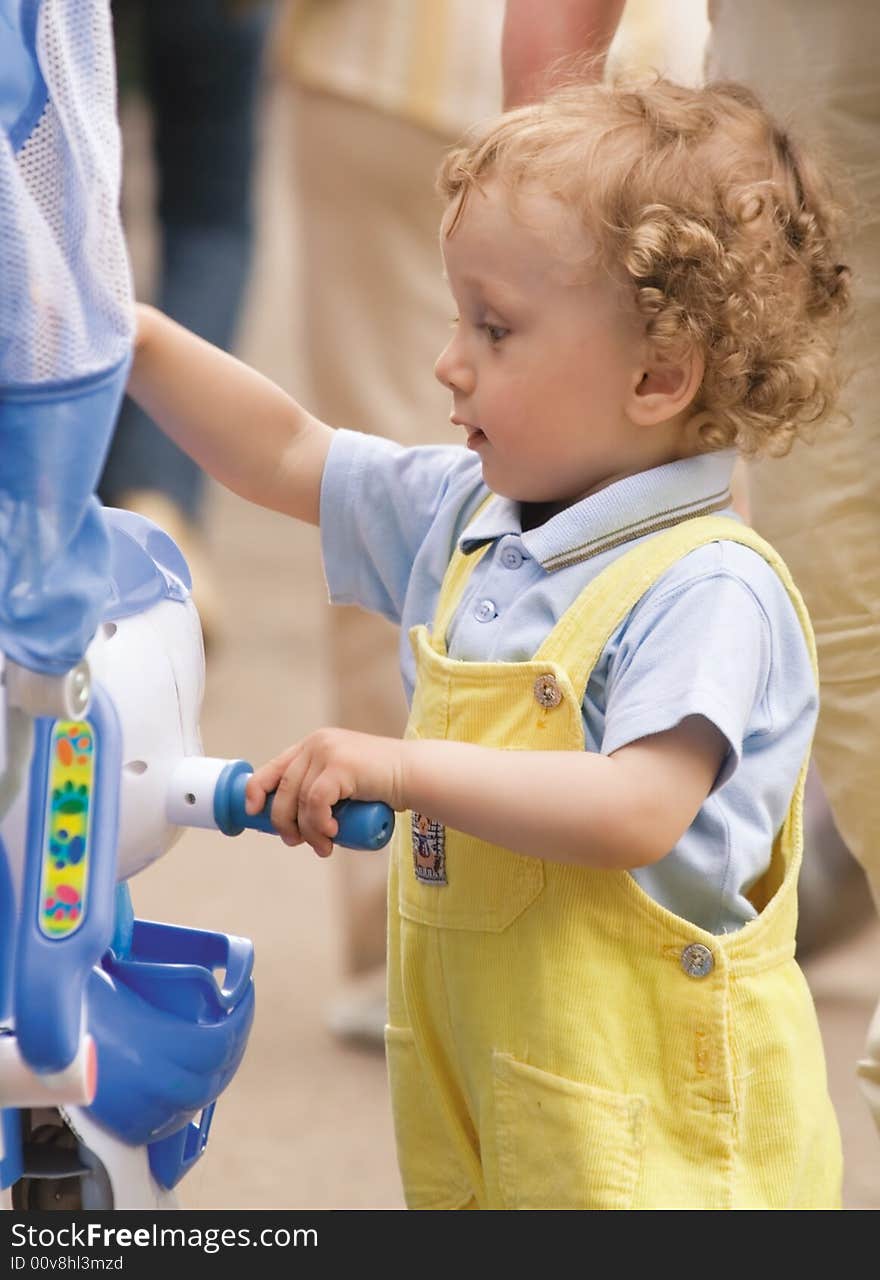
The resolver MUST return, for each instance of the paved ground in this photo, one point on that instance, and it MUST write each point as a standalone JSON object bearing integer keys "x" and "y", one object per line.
{"x": 305, "y": 1124}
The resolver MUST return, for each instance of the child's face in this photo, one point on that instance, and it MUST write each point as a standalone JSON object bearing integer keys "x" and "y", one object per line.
{"x": 544, "y": 358}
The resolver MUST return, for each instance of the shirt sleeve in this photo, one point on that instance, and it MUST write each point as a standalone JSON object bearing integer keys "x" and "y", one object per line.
{"x": 715, "y": 644}
{"x": 379, "y": 501}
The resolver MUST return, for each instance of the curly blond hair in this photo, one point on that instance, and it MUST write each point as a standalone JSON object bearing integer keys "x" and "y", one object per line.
{"x": 723, "y": 229}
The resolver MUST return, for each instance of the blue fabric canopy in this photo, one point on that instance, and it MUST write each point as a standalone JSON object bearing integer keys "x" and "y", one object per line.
{"x": 66, "y": 322}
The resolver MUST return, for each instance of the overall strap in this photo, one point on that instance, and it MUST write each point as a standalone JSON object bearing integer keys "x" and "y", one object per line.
{"x": 580, "y": 635}
{"x": 455, "y": 580}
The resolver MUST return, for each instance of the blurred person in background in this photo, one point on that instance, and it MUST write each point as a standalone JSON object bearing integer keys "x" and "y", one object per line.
{"x": 379, "y": 90}
{"x": 199, "y": 65}
{"x": 815, "y": 65}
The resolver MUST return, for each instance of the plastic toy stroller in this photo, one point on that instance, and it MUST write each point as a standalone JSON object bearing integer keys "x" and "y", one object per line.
{"x": 122, "y": 1037}
{"x": 117, "y": 1035}
{"x": 163, "y": 1035}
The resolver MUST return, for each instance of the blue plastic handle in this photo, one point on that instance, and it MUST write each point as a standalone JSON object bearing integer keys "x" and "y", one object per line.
{"x": 363, "y": 824}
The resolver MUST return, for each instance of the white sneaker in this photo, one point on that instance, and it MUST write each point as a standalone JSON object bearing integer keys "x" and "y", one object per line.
{"x": 359, "y": 1012}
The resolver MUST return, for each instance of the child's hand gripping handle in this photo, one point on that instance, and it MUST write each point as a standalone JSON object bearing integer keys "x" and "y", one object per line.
{"x": 206, "y": 792}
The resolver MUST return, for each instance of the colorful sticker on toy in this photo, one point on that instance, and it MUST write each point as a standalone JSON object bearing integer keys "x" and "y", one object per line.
{"x": 65, "y": 855}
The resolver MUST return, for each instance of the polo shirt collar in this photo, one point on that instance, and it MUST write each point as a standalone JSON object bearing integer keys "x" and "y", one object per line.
{"x": 628, "y": 509}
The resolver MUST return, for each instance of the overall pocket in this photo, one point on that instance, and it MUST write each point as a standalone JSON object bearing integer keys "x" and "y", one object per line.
{"x": 475, "y": 886}
{"x": 564, "y": 1145}
{"x": 431, "y": 1170}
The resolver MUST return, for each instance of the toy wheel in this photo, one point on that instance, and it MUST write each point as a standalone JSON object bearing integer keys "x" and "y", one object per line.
{"x": 59, "y": 1173}
{"x": 54, "y": 1146}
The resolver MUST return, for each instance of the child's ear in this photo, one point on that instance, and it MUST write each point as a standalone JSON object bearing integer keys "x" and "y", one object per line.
{"x": 665, "y": 386}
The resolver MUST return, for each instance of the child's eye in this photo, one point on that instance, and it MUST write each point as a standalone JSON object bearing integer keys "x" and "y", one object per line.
{"x": 453, "y": 322}
{"x": 495, "y": 332}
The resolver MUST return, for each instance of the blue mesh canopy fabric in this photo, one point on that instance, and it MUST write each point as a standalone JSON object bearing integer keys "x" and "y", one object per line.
{"x": 66, "y": 322}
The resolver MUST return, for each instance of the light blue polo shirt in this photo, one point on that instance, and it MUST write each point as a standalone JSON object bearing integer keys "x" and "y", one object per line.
{"x": 716, "y": 636}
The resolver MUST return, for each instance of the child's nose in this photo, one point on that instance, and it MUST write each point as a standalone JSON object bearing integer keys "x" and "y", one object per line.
{"x": 453, "y": 370}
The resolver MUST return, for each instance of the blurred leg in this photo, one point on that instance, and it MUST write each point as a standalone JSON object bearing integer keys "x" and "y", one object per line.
{"x": 378, "y": 315}
{"x": 201, "y": 63}
{"x": 815, "y": 64}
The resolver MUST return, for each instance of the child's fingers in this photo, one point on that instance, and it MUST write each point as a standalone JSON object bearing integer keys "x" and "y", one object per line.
{"x": 319, "y": 791}
{"x": 322, "y": 846}
{"x": 284, "y": 814}
{"x": 270, "y": 773}
{"x": 265, "y": 780}
{"x": 254, "y": 796}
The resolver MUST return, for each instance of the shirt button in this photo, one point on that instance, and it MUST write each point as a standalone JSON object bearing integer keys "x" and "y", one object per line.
{"x": 547, "y": 690}
{"x": 697, "y": 960}
{"x": 512, "y": 557}
{"x": 485, "y": 611}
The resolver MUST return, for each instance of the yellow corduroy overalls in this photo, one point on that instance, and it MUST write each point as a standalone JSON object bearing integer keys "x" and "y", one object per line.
{"x": 557, "y": 1039}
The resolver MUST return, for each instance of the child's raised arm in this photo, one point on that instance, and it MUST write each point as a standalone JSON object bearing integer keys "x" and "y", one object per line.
{"x": 241, "y": 428}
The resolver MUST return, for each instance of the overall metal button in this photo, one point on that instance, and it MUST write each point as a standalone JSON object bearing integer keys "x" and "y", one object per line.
{"x": 485, "y": 611}
{"x": 547, "y": 690}
{"x": 511, "y": 557}
{"x": 697, "y": 960}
